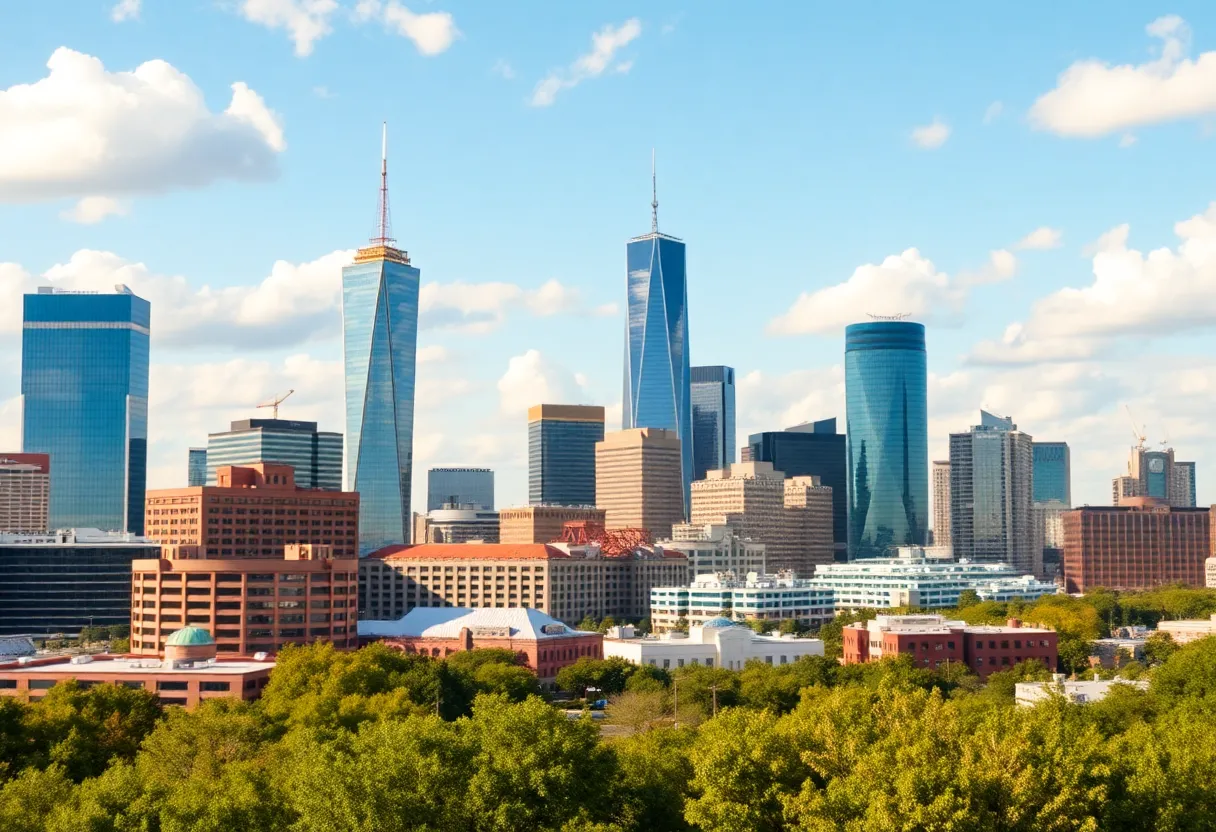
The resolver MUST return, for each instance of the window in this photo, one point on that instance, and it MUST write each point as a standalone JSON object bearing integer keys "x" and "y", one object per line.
{"x": 172, "y": 685}
{"x": 215, "y": 687}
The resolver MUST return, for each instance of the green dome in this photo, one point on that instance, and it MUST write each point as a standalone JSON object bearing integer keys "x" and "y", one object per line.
{"x": 189, "y": 637}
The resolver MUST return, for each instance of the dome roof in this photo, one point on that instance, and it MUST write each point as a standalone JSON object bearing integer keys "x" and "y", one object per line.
{"x": 718, "y": 623}
{"x": 189, "y": 637}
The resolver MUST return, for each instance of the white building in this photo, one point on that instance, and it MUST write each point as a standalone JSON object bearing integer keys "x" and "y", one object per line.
{"x": 917, "y": 579}
{"x": 1187, "y": 631}
{"x": 759, "y": 597}
{"x": 1209, "y": 572}
{"x": 1095, "y": 690}
{"x": 714, "y": 547}
{"x": 718, "y": 642}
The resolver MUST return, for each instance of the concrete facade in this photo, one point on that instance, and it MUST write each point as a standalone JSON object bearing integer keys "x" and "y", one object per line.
{"x": 751, "y": 597}
{"x": 716, "y": 643}
{"x": 542, "y": 524}
{"x": 941, "y": 502}
{"x": 715, "y": 547}
{"x": 638, "y": 480}
{"x": 25, "y": 493}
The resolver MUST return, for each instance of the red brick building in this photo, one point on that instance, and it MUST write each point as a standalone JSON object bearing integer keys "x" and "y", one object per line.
{"x": 1139, "y": 545}
{"x": 934, "y": 642}
{"x": 253, "y": 511}
{"x": 542, "y": 644}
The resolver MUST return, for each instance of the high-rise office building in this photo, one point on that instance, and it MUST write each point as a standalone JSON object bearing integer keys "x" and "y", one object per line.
{"x": 806, "y": 528}
{"x": 561, "y": 453}
{"x": 813, "y": 449}
{"x": 748, "y": 495}
{"x": 1123, "y": 489}
{"x": 657, "y": 389}
{"x": 941, "y": 502}
{"x": 25, "y": 493}
{"x": 1052, "y": 473}
{"x": 1153, "y": 471}
{"x": 196, "y": 471}
{"x": 991, "y": 495}
{"x": 888, "y": 436}
{"x": 379, "y": 348}
{"x": 1183, "y": 493}
{"x": 638, "y": 480}
{"x": 1141, "y": 544}
{"x": 84, "y": 385}
{"x": 713, "y": 419}
{"x": 463, "y": 487}
{"x": 315, "y": 456}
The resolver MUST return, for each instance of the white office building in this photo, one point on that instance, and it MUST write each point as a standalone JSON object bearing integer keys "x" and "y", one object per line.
{"x": 719, "y": 642}
{"x": 714, "y": 547}
{"x": 756, "y": 597}
{"x": 1080, "y": 692}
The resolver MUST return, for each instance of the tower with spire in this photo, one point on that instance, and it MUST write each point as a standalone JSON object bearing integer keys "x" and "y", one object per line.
{"x": 379, "y": 349}
{"x": 657, "y": 376}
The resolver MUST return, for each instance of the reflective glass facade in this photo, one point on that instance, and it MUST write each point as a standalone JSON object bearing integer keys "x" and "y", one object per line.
{"x": 561, "y": 456}
{"x": 887, "y": 445}
{"x": 462, "y": 486}
{"x": 657, "y": 375}
{"x": 84, "y": 383}
{"x": 380, "y": 340}
{"x": 1052, "y": 473}
{"x": 315, "y": 456}
{"x": 196, "y": 473}
{"x": 713, "y": 419}
{"x": 1156, "y": 474}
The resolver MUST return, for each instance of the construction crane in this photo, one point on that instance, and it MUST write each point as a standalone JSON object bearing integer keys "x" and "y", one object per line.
{"x": 1137, "y": 430}
{"x": 275, "y": 402}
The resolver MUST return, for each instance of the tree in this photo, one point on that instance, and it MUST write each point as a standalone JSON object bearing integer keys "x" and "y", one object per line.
{"x": 118, "y": 631}
{"x": 1190, "y": 673}
{"x": 639, "y": 711}
{"x": 607, "y": 676}
{"x": 968, "y": 598}
{"x": 1158, "y": 648}
{"x": 654, "y": 773}
{"x": 27, "y": 800}
{"x": 588, "y": 624}
{"x": 1074, "y": 654}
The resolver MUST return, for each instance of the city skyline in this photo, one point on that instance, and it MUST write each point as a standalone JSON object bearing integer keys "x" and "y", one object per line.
{"x": 498, "y": 334}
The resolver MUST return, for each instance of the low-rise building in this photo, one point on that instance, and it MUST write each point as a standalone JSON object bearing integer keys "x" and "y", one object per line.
{"x": 932, "y": 641}
{"x": 542, "y": 523}
{"x": 456, "y": 524}
{"x": 718, "y": 642}
{"x": 185, "y": 673}
{"x": 1080, "y": 692}
{"x": 715, "y": 547}
{"x": 542, "y": 644}
{"x": 753, "y": 597}
{"x": 1115, "y": 652}
{"x": 1209, "y": 573}
{"x": 1141, "y": 543}
{"x": 1186, "y": 631}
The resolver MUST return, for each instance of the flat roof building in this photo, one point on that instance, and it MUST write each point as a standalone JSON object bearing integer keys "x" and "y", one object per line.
{"x": 542, "y": 524}
{"x": 1079, "y": 691}
{"x": 315, "y": 456}
{"x": 561, "y": 453}
{"x": 472, "y": 487}
{"x": 1186, "y": 631}
{"x": 25, "y": 493}
{"x": 714, "y": 547}
{"x": 753, "y": 597}
{"x": 638, "y": 480}
{"x": 457, "y": 524}
{"x": 718, "y": 642}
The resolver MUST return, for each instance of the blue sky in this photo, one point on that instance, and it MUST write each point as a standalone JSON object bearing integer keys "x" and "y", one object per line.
{"x": 797, "y": 152}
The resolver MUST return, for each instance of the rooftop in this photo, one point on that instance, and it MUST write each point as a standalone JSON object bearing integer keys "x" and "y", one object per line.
{"x": 447, "y": 622}
{"x": 130, "y": 666}
{"x": 77, "y": 537}
{"x": 470, "y": 551}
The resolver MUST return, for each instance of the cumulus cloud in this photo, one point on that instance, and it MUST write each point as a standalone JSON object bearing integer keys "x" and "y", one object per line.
{"x": 503, "y": 70}
{"x": 483, "y": 307}
{"x": 1092, "y": 98}
{"x": 84, "y": 131}
{"x": 931, "y": 136}
{"x": 1040, "y": 239}
{"x": 94, "y": 209}
{"x": 306, "y": 21}
{"x": 604, "y": 45}
{"x": 1001, "y": 265}
{"x": 533, "y": 379}
{"x": 431, "y": 32}
{"x": 125, "y": 10}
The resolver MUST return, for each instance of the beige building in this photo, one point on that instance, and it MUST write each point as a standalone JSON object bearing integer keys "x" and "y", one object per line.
{"x": 941, "y": 502}
{"x": 25, "y": 493}
{"x": 1184, "y": 632}
{"x": 714, "y": 547}
{"x": 1123, "y": 489}
{"x": 566, "y": 582}
{"x": 806, "y": 528}
{"x": 542, "y": 524}
{"x": 639, "y": 480}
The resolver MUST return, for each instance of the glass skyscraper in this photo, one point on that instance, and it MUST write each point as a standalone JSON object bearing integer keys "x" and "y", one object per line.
{"x": 713, "y": 419}
{"x": 196, "y": 473}
{"x": 561, "y": 453}
{"x": 462, "y": 486}
{"x": 315, "y": 456}
{"x": 1052, "y": 473}
{"x": 657, "y": 375}
{"x": 887, "y": 436}
{"x": 84, "y": 387}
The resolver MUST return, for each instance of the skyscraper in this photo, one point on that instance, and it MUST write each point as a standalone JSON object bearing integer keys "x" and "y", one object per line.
{"x": 637, "y": 480}
{"x": 379, "y": 347}
{"x": 315, "y": 456}
{"x": 1183, "y": 485}
{"x": 561, "y": 453}
{"x": 713, "y": 419}
{"x": 657, "y": 390}
{"x": 1153, "y": 471}
{"x": 196, "y": 471}
{"x": 888, "y": 436}
{"x": 941, "y": 502}
{"x": 25, "y": 493}
{"x": 991, "y": 495}
{"x": 1052, "y": 473}
{"x": 814, "y": 449}
{"x": 84, "y": 383}
{"x": 461, "y": 487}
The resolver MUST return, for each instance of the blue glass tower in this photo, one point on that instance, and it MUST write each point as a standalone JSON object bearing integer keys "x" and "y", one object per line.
{"x": 379, "y": 346}
{"x": 1052, "y": 474}
{"x": 561, "y": 453}
{"x": 196, "y": 474}
{"x": 887, "y": 436}
{"x": 713, "y": 419}
{"x": 84, "y": 387}
{"x": 657, "y": 376}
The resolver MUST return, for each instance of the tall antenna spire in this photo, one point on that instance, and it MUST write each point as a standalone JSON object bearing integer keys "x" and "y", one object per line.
{"x": 654, "y": 197}
{"x": 385, "y": 235}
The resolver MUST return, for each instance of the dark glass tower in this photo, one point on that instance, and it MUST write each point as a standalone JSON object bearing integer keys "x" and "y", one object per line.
{"x": 887, "y": 436}
{"x": 84, "y": 387}
{"x": 713, "y": 419}
{"x": 561, "y": 453}
{"x": 657, "y": 386}
{"x": 461, "y": 487}
{"x": 1052, "y": 475}
{"x": 315, "y": 456}
{"x": 196, "y": 474}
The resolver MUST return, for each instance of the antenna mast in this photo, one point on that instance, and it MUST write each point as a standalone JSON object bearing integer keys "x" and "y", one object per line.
{"x": 384, "y": 237}
{"x": 654, "y": 197}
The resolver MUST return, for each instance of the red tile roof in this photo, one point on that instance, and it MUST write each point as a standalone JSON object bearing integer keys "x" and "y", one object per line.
{"x": 470, "y": 551}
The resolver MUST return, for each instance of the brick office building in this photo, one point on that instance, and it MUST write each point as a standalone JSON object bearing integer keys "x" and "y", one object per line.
{"x": 253, "y": 511}
{"x": 249, "y": 605}
{"x": 1140, "y": 544}
{"x": 934, "y": 642}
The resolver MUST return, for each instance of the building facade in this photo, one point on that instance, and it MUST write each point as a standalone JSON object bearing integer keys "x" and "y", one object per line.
{"x": 253, "y": 512}
{"x": 714, "y": 547}
{"x": 1048, "y": 520}
{"x": 806, "y": 528}
{"x": 1052, "y": 473}
{"x": 84, "y": 387}
{"x": 1123, "y": 489}
{"x": 1186, "y": 631}
{"x": 1183, "y": 491}
{"x": 713, "y": 419}
{"x": 58, "y": 583}
{"x": 718, "y": 642}
{"x": 1141, "y": 544}
{"x": 941, "y": 502}
{"x": 542, "y": 524}
{"x": 457, "y": 524}
{"x": 750, "y": 494}
{"x": 196, "y": 467}
{"x": 315, "y": 456}
{"x": 638, "y": 480}
{"x": 991, "y": 494}
{"x": 25, "y": 493}
{"x": 249, "y": 605}
{"x": 814, "y": 449}
{"x": 471, "y": 487}
{"x": 752, "y": 597}
{"x": 561, "y": 453}
{"x": 887, "y": 436}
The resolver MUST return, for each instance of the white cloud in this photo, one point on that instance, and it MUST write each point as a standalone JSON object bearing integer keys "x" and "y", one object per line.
{"x": 483, "y": 307}
{"x": 503, "y": 70}
{"x": 769, "y": 401}
{"x": 306, "y": 21}
{"x": 1040, "y": 239}
{"x": 431, "y": 32}
{"x": 993, "y": 112}
{"x": 532, "y": 379}
{"x": 83, "y": 131}
{"x": 1127, "y": 140}
{"x": 1092, "y": 98}
{"x": 931, "y": 136}
{"x": 125, "y": 10}
{"x": 322, "y": 91}
{"x": 1001, "y": 265}
{"x": 605, "y": 44}
{"x": 94, "y": 209}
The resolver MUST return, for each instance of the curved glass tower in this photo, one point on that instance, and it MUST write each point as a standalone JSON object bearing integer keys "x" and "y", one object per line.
{"x": 888, "y": 436}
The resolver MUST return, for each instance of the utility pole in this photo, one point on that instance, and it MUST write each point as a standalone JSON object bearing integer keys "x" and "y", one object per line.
{"x": 714, "y": 689}
{"x": 675, "y": 707}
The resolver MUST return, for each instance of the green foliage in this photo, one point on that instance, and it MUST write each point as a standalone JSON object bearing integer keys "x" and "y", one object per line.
{"x": 606, "y": 676}
{"x": 1158, "y": 648}
{"x": 968, "y": 598}
{"x": 1190, "y": 673}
